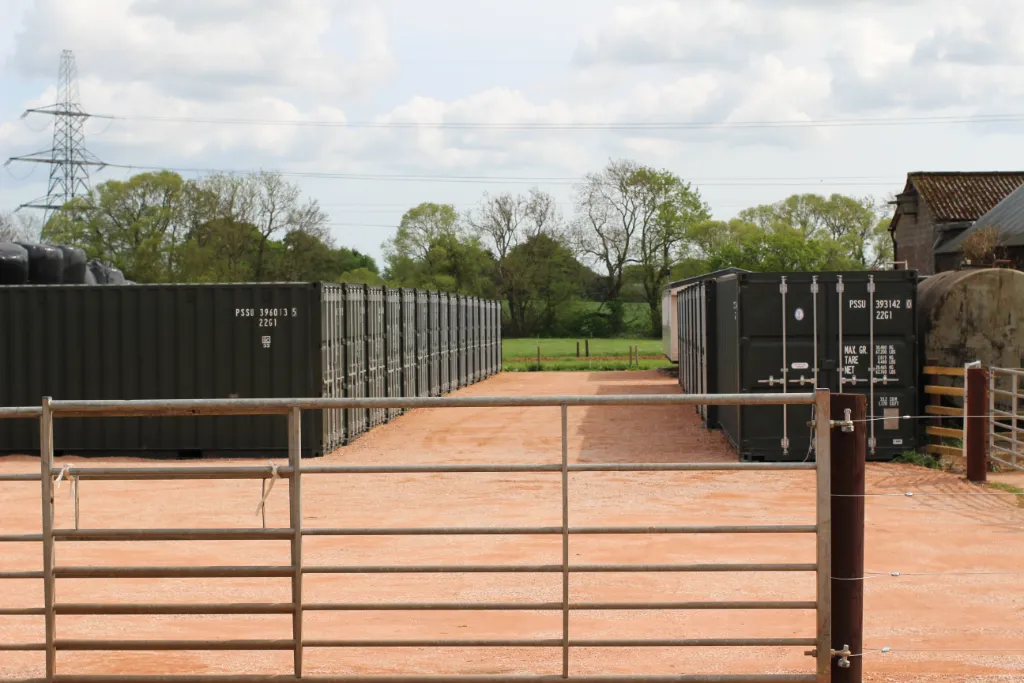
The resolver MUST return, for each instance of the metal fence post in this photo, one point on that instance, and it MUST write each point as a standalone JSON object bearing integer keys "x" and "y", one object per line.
{"x": 295, "y": 523}
{"x": 823, "y": 522}
{"x": 975, "y": 424}
{"x": 565, "y": 541}
{"x": 46, "y": 479}
{"x": 849, "y": 453}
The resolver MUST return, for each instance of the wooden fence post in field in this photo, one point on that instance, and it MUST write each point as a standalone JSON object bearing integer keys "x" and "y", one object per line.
{"x": 848, "y": 454}
{"x": 587, "y": 343}
{"x": 538, "y": 356}
{"x": 976, "y": 424}
{"x": 577, "y": 349}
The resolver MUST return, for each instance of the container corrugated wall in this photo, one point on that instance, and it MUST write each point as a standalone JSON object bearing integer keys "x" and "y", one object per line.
{"x": 332, "y": 321}
{"x": 160, "y": 342}
{"x": 393, "y": 341}
{"x": 355, "y": 357}
{"x": 223, "y": 341}
{"x": 444, "y": 357}
{"x": 463, "y": 341}
{"x": 376, "y": 381}
{"x": 453, "y": 341}
{"x": 422, "y": 343}
{"x": 434, "y": 343}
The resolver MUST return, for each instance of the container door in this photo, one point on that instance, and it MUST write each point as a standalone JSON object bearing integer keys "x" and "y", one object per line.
{"x": 875, "y": 337}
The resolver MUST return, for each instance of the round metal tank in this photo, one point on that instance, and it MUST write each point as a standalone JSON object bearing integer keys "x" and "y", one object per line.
{"x": 975, "y": 314}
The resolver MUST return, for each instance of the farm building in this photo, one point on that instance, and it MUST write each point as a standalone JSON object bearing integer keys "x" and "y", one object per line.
{"x": 1005, "y": 221}
{"x": 936, "y": 208}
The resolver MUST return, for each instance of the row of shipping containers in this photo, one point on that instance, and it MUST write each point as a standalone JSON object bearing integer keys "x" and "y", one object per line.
{"x": 849, "y": 332}
{"x": 233, "y": 341}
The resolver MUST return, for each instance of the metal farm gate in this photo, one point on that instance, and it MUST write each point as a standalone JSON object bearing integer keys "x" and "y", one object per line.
{"x": 297, "y": 568}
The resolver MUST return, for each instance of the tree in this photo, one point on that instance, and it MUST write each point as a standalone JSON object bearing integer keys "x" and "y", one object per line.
{"x": 856, "y": 223}
{"x": 507, "y": 222}
{"x": 19, "y": 227}
{"x": 633, "y": 214}
{"x": 134, "y": 224}
{"x": 548, "y": 278}
{"x": 420, "y": 228}
{"x": 782, "y": 249}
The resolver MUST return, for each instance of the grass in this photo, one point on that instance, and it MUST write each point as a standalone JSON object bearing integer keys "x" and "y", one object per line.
{"x": 919, "y": 459}
{"x": 559, "y": 355}
{"x": 559, "y": 349}
{"x": 583, "y": 365}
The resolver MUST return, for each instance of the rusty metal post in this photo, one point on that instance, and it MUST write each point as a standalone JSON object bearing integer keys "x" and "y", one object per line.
{"x": 849, "y": 453}
{"x": 976, "y": 424}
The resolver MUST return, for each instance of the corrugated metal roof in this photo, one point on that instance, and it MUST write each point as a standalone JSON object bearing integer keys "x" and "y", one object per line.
{"x": 1007, "y": 216}
{"x": 955, "y": 197}
{"x": 705, "y": 276}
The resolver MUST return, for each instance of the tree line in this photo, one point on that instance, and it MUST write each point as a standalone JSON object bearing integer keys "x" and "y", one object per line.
{"x": 634, "y": 229}
{"x": 160, "y": 227}
{"x": 631, "y": 230}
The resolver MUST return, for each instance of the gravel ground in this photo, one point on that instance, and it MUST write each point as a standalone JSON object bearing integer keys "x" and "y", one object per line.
{"x": 914, "y": 615}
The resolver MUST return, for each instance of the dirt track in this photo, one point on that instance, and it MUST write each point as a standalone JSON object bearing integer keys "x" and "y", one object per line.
{"x": 920, "y": 534}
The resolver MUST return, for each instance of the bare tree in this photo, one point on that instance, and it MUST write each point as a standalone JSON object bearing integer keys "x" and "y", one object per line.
{"x": 20, "y": 227}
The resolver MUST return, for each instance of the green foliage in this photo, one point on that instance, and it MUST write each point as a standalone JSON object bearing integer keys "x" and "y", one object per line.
{"x": 158, "y": 227}
{"x": 919, "y": 460}
{"x": 783, "y": 249}
{"x": 361, "y": 276}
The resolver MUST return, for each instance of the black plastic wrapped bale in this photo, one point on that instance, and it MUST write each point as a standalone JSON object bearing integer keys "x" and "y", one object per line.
{"x": 408, "y": 343}
{"x": 422, "y": 344}
{"x": 453, "y": 342}
{"x": 116, "y": 277}
{"x": 332, "y": 363}
{"x": 74, "y": 266}
{"x": 100, "y": 271}
{"x": 355, "y": 357}
{"x": 376, "y": 353}
{"x": 45, "y": 264}
{"x": 852, "y": 332}
{"x": 13, "y": 264}
{"x": 443, "y": 340}
{"x": 393, "y": 342}
{"x": 434, "y": 343}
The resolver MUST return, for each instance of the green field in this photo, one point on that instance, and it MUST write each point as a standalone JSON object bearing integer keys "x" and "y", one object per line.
{"x": 520, "y": 355}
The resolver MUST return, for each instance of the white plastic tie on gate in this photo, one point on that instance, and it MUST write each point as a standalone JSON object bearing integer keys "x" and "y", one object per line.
{"x": 274, "y": 476}
{"x": 65, "y": 471}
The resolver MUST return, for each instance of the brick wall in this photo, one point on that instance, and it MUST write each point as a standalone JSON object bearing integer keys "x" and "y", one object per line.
{"x": 915, "y": 238}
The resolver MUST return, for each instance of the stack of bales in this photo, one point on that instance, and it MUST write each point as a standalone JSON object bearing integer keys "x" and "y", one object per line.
{"x": 23, "y": 263}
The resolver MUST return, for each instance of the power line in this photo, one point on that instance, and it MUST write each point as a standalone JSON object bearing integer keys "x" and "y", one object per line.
{"x": 578, "y": 126}
{"x": 834, "y": 181}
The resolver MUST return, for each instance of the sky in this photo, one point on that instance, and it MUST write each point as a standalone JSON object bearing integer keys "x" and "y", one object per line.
{"x": 749, "y": 100}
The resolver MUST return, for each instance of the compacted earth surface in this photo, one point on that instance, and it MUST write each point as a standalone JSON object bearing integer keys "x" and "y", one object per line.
{"x": 954, "y": 613}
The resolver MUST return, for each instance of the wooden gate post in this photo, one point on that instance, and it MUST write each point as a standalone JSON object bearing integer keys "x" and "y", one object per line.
{"x": 976, "y": 424}
{"x": 849, "y": 453}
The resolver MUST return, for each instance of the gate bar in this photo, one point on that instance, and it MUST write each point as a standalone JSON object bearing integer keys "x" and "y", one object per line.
{"x": 551, "y": 606}
{"x": 550, "y": 530}
{"x": 823, "y": 486}
{"x": 265, "y": 472}
{"x": 536, "y": 569}
{"x": 565, "y": 541}
{"x": 435, "y": 678}
{"x": 281, "y": 406}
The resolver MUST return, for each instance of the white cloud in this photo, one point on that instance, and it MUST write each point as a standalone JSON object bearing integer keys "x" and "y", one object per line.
{"x": 637, "y": 60}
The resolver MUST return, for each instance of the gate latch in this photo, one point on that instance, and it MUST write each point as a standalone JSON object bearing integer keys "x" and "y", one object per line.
{"x": 846, "y": 424}
{"x": 844, "y": 656}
